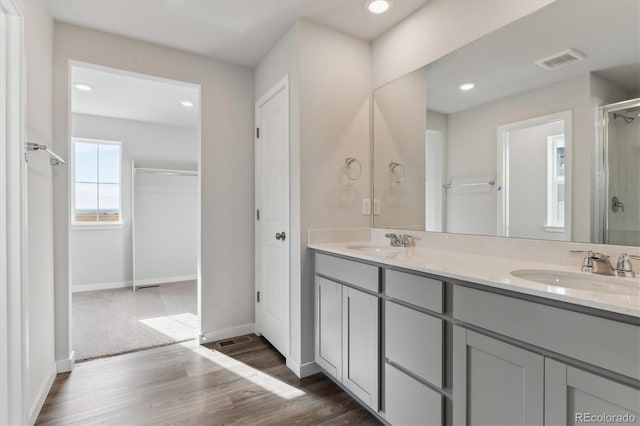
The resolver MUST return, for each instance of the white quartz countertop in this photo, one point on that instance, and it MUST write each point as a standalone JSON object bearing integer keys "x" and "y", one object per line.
{"x": 495, "y": 272}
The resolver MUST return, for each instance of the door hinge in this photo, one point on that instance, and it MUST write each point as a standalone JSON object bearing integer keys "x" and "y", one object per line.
{"x": 257, "y": 214}
{"x": 258, "y": 296}
{"x": 257, "y": 132}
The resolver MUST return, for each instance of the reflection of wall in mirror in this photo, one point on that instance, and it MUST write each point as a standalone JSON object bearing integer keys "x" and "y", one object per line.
{"x": 399, "y": 129}
{"x": 471, "y": 149}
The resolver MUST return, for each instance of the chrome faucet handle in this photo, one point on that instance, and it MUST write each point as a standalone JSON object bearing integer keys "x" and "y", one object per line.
{"x": 624, "y": 267}
{"x": 587, "y": 262}
{"x": 395, "y": 240}
{"x": 406, "y": 240}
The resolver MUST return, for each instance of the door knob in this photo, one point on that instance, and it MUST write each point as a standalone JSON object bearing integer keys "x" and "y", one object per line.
{"x": 281, "y": 236}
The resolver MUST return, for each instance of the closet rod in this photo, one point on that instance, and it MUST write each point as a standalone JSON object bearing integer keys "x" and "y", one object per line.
{"x": 172, "y": 172}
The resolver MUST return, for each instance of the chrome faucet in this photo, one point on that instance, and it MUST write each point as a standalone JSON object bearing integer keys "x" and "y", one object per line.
{"x": 602, "y": 265}
{"x": 401, "y": 240}
{"x": 598, "y": 263}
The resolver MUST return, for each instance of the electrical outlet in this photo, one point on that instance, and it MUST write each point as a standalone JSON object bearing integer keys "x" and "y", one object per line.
{"x": 366, "y": 206}
{"x": 376, "y": 207}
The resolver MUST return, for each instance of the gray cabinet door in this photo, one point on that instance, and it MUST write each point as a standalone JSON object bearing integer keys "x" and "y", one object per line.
{"x": 328, "y": 326}
{"x": 574, "y": 396}
{"x": 360, "y": 368}
{"x": 409, "y": 402}
{"x": 495, "y": 383}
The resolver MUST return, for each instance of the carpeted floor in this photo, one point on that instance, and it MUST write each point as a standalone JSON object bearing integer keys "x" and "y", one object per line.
{"x": 110, "y": 322}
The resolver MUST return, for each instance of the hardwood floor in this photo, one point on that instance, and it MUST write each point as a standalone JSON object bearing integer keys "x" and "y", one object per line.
{"x": 243, "y": 383}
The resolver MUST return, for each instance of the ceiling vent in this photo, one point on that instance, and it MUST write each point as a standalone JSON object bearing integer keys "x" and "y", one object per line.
{"x": 561, "y": 59}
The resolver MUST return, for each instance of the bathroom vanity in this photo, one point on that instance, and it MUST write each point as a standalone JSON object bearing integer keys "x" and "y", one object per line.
{"x": 434, "y": 337}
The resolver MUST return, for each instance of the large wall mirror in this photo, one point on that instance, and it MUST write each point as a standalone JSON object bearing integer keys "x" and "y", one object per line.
{"x": 532, "y": 131}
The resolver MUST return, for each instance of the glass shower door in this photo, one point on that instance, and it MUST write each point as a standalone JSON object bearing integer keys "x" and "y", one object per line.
{"x": 622, "y": 156}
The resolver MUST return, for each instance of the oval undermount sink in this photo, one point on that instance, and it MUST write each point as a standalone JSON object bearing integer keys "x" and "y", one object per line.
{"x": 380, "y": 251}
{"x": 579, "y": 281}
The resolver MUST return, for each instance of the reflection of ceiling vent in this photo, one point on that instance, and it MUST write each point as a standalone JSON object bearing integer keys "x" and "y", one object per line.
{"x": 561, "y": 59}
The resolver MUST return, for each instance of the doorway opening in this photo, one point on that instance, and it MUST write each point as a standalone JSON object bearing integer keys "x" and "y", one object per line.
{"x": 134, "y": 234}
{"x": 533, "y": 201}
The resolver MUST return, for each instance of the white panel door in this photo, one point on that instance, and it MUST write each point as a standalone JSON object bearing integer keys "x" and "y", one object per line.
{"x": 272, "y": 226}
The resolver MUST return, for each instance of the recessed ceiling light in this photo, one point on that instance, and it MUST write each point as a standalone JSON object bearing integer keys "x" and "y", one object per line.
{"x": 466, "y": 86}
{"x": 83, "y": 87}
{"x": 187, "y": 104}
{"x": 378, "y": 6}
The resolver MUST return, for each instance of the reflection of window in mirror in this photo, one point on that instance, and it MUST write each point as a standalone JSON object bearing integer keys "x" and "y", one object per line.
{"x": 555, "y": 183}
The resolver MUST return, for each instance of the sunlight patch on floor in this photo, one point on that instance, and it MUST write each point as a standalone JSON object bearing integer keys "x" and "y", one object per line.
{"x": 178, "y": 327}
{"x": 257, "y": 377}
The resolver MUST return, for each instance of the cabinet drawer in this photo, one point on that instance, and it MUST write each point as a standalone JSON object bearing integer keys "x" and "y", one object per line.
{"x": 413, "y": 340}
{"x": 609, "y": 344}
{"x": 350, "y": 272}
{"x": 409, "y": 402}
{"x": 414, "y": 289}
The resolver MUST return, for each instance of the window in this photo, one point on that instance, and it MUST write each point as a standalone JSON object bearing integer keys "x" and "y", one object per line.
{"x": 555, "y": 183}
{"x": 96, "y": 182}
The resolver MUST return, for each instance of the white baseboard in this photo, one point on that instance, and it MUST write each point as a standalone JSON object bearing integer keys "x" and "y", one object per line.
{"x": 35, "y": 408}
{"x": 165, "y": 280}
{"x": 101, "y": 286}
{"x": 303, "y": 370}
{"x": 226, "y": 333}
{"x": 125, "y": 284}
{"x": 66, "y": 365}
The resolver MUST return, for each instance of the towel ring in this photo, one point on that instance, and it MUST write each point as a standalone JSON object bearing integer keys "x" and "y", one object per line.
{"x": 393, "y": 167}
{"x": 349, "y": 170}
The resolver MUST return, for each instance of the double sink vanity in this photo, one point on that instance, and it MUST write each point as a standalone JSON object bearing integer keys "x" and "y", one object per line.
{"x": 501, "y": 158}
{"x": 430, "y": 336}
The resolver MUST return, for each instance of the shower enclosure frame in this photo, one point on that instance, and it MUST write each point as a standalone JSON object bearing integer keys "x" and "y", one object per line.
{"x": 601, "y": 180}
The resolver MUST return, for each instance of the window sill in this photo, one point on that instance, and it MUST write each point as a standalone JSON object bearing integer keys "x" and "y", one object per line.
{"x": 551, "y": 228}
{"x": 96, "y": 226}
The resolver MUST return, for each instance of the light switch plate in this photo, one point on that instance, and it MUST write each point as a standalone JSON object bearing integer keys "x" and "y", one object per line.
{"x": 366, "y": 206}
{"x": 376, "y": 206}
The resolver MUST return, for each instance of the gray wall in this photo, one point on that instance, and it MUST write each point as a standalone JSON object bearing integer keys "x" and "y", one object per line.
{"x": 227, "y": 162}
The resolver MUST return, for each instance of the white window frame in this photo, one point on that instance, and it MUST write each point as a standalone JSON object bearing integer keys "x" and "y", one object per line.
{"x": 75, "y": 225}
{"x": 553, "y": 181}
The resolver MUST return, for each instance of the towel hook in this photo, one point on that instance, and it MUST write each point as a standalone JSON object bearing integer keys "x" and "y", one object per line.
{"x": 397, "y": 178}
{"x": 349, "y": 170}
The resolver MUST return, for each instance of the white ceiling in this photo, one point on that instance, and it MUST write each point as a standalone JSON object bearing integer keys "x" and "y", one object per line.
{"x": 131, "y": 96}
{"x": 502, "y": 63}
{"x": 237, "y": 31}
